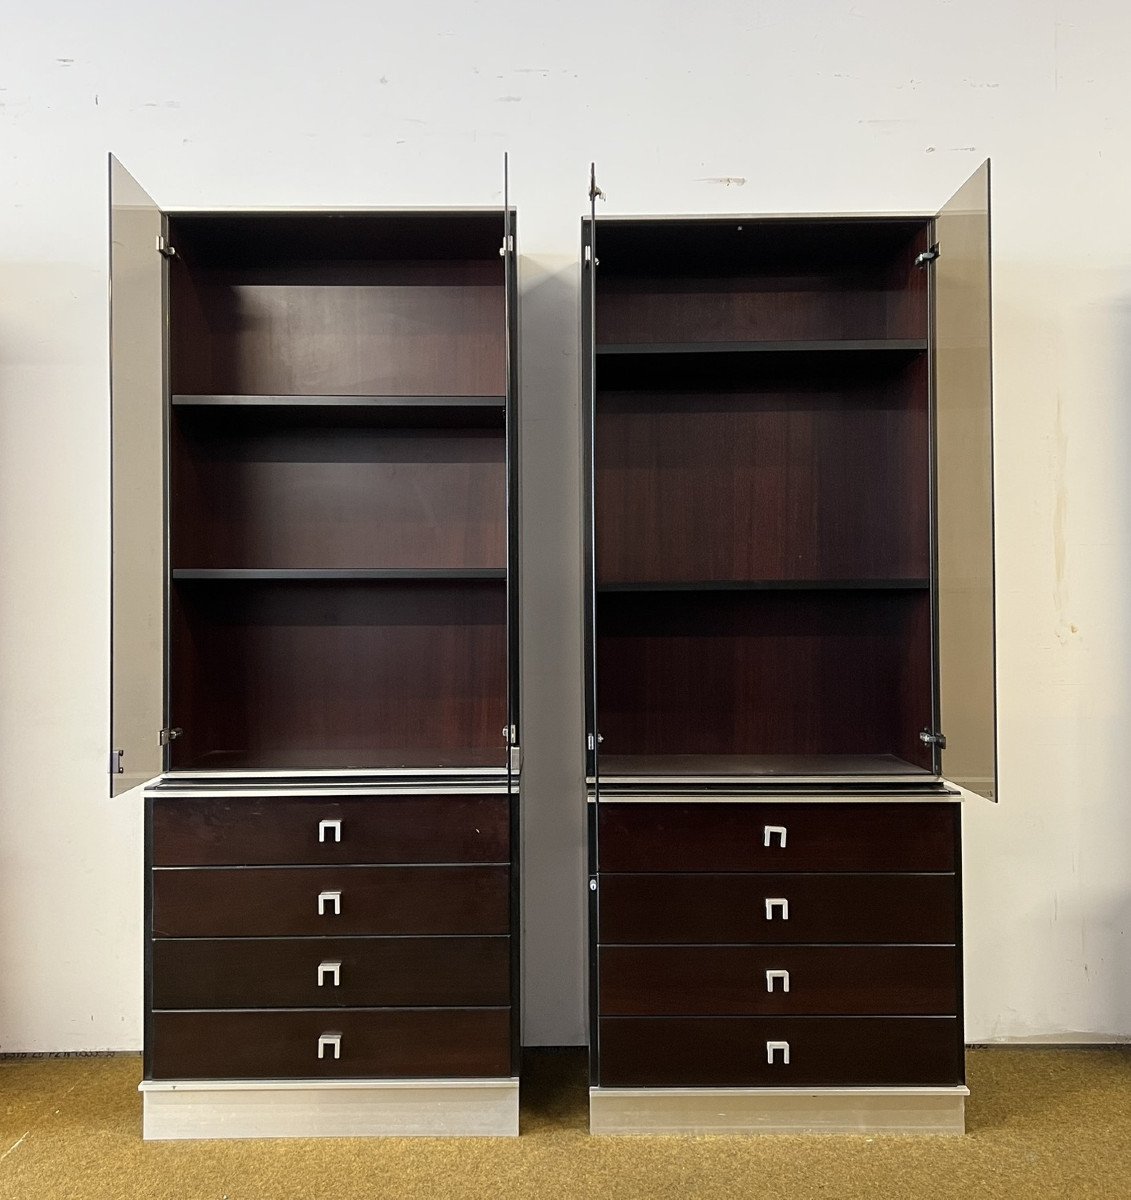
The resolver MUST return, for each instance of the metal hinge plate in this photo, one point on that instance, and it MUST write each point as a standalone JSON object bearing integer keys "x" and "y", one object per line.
{"x": 928, "y": 256}
{"x": 165, "y": 736}
{"x": 116, "y": 767}
{"x": 164, "y": 246}
{"x": 930, "y": 737}
{"x": 508, "y": 244}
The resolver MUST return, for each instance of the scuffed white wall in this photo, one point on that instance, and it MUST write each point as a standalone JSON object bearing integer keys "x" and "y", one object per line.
{"x": 873, "y": 105}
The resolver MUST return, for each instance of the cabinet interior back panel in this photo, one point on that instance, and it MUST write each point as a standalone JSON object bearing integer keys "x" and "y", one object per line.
{"x": 735, "y": 281}
{"x": 339, "y": 674}
{"x": 741, "y": 470}
{"x": 306, "y": 306}
{"x": 757, "y": 673}
{"x": 277, "y": 489}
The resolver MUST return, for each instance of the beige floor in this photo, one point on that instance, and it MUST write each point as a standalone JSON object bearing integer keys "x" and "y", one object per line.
{"x": 1042, "y": 1123}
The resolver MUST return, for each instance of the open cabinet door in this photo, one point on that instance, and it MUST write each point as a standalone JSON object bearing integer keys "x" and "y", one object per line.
{"x": 510, "y": 261}
{"x": 137, "y": 484}
{"x": 588, "y": 367}
{"x": 964, "y": 488}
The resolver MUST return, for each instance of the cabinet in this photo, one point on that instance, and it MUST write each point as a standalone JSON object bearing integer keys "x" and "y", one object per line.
{"x": 789, "y": 632}
{"x": 315, "y": 661}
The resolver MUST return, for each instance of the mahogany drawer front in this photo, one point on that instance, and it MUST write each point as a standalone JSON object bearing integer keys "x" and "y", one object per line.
{"x": 744, "y": 981}
{"x": 247, "y": 831}
{"x": 764, "y": 908}
{"x": 758, "y": 836}
{"x": 390, "y": 1043}
{"x": 822, "y": 1052}
{"x": 329, "y": 901}
{"x": 461, "y": 972}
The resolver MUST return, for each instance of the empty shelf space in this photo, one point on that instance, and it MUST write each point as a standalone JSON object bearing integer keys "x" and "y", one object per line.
{"x": 853, "y": 345}
{"x": 762, "y": 585}
{"x": 359, "y": 758}
{"x": 650, "y": 766}
{"x": 359, "y": 574}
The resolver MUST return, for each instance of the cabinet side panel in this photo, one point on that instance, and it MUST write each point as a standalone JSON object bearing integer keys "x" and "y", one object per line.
{"x": 137, "y": 425}
{"x": 964, "y": 487}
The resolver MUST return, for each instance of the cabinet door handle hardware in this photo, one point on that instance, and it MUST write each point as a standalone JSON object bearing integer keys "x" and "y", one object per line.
{"x": 773, "y": 1048}
{"x": 334, "y": 898}
{"x": 328, "y": 827}
{"x": 778, "y": 903}
{"x": 773, "y": 976}
{"x": 774, "y": 831}
{"x": 333, "y": 1041}
{"x": 334, "y": 971}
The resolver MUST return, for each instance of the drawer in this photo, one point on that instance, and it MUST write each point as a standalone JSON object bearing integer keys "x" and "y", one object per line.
{"x": 245, "y": 831}
{"x": 742, "y": 981}
{"x": 777, "y": 837}
{"x": 397, "y": 1043}
{"x": 821, "y": 1052}
{"x": 764, "y": 908}
{"x": 462, "y": 972}
{"x": 329, "y": 901}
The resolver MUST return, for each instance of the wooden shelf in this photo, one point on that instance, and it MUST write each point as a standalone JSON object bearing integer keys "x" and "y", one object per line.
{"x": 857, "y": 345}
{"x": 353, "y": 574}
{"x": 613, "y": 766}
{"x": 341, "y": 401}
{"x": 764, "y": 585}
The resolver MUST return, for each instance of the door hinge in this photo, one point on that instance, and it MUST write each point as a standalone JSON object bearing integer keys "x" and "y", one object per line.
{"x": 508, "y": 244}
{"x": 116, "y": 767}
{"x": 930, "y": 737}
{"x": 928, "y": 256}
{"x": 592, "y": 883}
{"x": 164, "y": 246}
{"x": 165, "y": 736}
{"x": 590, "y": 261}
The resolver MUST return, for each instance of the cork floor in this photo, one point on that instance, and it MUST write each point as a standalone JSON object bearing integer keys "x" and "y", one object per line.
{"x": 1041, "y": 1123}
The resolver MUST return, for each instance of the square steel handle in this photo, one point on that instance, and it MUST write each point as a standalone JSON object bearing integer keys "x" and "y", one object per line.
{"x": 777, "y": 904}
{"x": 334, "y": 898}
{"x": 773, "y": 976}
{"x": 781, "y": 1048}
{"x": 330, "y": 1041}
{"x": 334, "y": 971}
{"x": 770, "y": 832}
{"x": 327, "y": 827}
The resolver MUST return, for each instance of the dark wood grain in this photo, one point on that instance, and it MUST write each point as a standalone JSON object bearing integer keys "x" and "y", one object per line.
{"x": 732, "y": 477}
{"x": 823, "y": 980}
{"x": 824, "y": 1052}
{"x": 835, "y": 909}
{"x": 764, "y": 673}
{"x": 390, "y": 1043}
{"x": 325, "y": 669}
{"x": 751, "y": 280}
{"x": 256, "y": 831}
{"x": 374, "y": 972}
{"x": 283, "y": 901}
{"x": 250, "y": 491}
{"x": 354, "y": 306}
{"x": 819, "y": 837}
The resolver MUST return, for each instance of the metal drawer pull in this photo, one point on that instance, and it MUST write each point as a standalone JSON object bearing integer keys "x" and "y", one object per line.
{"x": 774, "y": 831}
{"x": 778, "y": 903}
{"x": 334, "y": 827}
{"x": 333, "y": 1041}
{"x": 771, "y": 976}
{"x": 335, "y": 898}
{"x": 334, "y": 970}
{"x": 773, "y": 1047}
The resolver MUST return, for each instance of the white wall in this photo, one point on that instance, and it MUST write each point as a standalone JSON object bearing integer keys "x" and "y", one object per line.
{"x": 876, "y": 104}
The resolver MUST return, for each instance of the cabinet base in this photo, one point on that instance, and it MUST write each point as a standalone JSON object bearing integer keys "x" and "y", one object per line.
{"x": 777, "y": 1110}
{"x": 338, "y": 1108}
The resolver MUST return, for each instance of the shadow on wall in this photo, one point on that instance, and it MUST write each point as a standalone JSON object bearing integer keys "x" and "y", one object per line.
{"x": 553, "y": 858}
